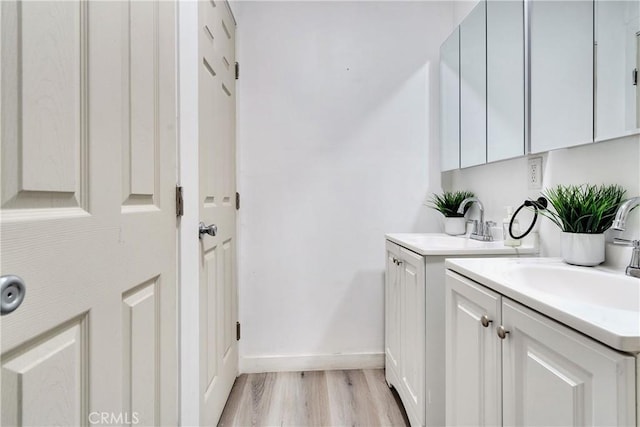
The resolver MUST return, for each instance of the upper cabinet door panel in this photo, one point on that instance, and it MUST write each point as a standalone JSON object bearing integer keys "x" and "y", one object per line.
{"x": 561, "y": 80}
{"x": 617, "y": 56}
{"x": 473, "y": 88}
{"x": 505, "y": 79}
{"x": 450, "y": 102}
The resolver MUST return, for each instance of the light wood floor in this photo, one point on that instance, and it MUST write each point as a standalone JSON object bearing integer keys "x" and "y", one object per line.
{"x": 318, "y": 398}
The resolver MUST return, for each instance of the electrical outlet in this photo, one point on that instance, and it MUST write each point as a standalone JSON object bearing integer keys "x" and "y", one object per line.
{"x": 534, "y": 173}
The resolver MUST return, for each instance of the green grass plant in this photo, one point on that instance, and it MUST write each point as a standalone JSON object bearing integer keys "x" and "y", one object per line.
{"x": 448, "y": 203}
{"x": 583, "y": 208}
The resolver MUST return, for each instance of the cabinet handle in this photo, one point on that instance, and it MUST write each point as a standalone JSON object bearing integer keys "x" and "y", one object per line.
{"x": 485, "y": 321}
{"x": 502, "y": 332}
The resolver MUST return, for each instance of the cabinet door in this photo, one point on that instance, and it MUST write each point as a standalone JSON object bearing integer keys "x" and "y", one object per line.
{"x": 473, "y": 382}
{"x": 505, "y": 79}
{"x": 554, "y": 376}
{"x": 450, "y": 102}
{"x": 618, "y": 44}
{"x": 412, "y": 368}
{"x": 392, "y": 311}
{"x": 561, "y": 79}
{"x": 473, "y": 88}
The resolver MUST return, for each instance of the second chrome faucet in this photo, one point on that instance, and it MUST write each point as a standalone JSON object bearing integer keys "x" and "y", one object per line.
{"x": 633, "y": 269}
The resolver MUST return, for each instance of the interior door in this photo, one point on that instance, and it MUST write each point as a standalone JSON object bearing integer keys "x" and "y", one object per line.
{"x": 88, "y": 212}
{"x": 218, "y": 295}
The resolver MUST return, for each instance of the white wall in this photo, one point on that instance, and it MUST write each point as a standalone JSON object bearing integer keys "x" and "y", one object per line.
{"x": 504, "y": 183}
{"x": 337, "y": 145}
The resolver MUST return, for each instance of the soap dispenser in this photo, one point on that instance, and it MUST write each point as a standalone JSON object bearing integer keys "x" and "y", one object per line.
{"x": 508, "y": 240}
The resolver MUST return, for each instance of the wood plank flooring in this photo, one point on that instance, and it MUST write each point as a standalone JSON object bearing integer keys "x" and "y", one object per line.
{"x": 317, "y": 398}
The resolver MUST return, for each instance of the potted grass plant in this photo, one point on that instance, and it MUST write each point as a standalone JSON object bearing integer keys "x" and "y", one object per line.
{"x": 447, "y": 204}
{"x": 583, "y": 213}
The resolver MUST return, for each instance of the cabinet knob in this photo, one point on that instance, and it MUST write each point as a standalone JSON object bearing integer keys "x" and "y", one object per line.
{"x": 485, "y": 321}
{"x": 502, "y": 332}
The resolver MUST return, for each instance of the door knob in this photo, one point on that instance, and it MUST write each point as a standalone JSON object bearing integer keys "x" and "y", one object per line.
{"x": 12, "y": 290}
{"x": 211, "y": 230}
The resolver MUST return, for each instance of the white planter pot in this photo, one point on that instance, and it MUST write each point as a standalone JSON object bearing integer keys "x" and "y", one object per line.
{"x": 455, "y": 226}
{"x": 583, "y": 249}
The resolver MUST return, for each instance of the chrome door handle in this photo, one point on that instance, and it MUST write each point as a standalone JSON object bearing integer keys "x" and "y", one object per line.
{"x": 12, "y": 291}
{"x": 211, "y": 230}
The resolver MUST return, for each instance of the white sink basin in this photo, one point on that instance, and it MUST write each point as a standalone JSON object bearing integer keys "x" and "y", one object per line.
{"x": 577, "y": 284}
{"x": 601, "y": 303}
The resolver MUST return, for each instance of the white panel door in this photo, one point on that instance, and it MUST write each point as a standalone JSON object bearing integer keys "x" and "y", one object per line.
{"x": 88, "y": 212}
{"x": 412, "y": 327}
{"x": 218, "y": 295}
{"x": 473, "y": 354}
{"x": 554, "y": 376}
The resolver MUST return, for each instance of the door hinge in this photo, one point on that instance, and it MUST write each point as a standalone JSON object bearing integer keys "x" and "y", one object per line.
{"x": 179, "y": 201}
{"x": 237, "y": 200}
{"x": 634, "y": 76}
{"x": 237, "y": 331}
{"x": 237, "y": 70}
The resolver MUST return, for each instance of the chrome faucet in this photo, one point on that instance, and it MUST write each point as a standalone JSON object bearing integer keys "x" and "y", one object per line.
{"x": 633, "y": 269}
{"x": 481, "y": 230}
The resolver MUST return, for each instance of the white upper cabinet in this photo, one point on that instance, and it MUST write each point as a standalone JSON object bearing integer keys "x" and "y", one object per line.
{"x": 450, "y": 102}
{"x": 617, "y": 62}
{"x": 561, "y": 79}
{"x": 473, "y": 88}
{"x": 505, "y": 80}
{"x": 538, "y": 75}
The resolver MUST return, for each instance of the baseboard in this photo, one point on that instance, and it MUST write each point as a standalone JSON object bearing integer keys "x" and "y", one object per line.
{"x": 311, "y": 362}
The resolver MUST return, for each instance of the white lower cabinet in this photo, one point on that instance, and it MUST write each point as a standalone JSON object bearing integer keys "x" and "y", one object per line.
{"x": 405, "y": 328}
{"x": 473, "y": 355}
{"x": 509, "y": 365}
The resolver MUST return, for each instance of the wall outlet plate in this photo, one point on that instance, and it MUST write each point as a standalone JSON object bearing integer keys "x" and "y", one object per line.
{"x": 534, "y": 173}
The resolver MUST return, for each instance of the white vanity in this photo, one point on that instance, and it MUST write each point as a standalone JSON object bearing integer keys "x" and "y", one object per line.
{"x": 538, "y": 342}
{"x": 415, "y": 316}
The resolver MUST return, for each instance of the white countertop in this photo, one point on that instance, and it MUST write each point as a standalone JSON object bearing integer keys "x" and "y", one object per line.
{"x": 443, "y": 244}
{"x": 601, "y": 303}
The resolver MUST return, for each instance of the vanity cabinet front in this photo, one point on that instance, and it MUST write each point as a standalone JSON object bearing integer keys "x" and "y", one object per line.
{"x": 509, "y": 365}
{"x": 405, "y": 328}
